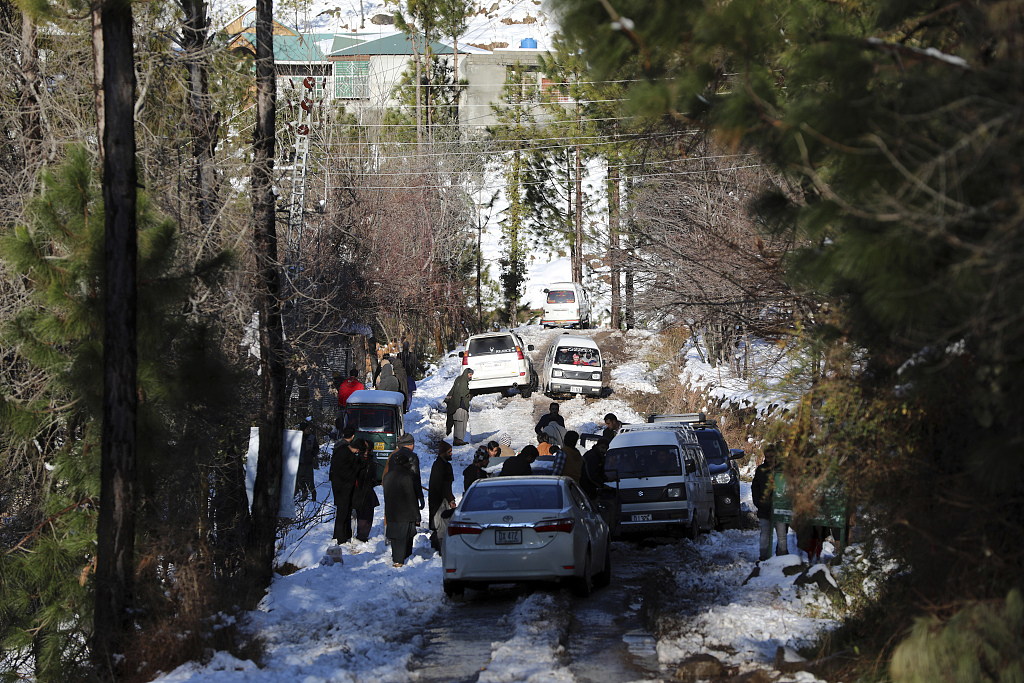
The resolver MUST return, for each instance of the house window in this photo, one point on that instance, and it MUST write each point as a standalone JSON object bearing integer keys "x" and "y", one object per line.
{"x": 351, "y": 80}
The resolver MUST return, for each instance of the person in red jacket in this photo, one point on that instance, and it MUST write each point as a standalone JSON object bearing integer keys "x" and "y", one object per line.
{"x": 349, "y": 385}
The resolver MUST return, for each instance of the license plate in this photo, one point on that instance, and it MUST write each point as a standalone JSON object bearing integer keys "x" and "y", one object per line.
{"x": 643, "y": 518}
{"x": 576, "y": 390}
{"x": 508, "y": 536}
{"x": 380, "y": 446}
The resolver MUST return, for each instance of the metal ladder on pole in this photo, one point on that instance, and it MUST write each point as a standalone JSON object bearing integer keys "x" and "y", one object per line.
{"x": 298, "y": 199}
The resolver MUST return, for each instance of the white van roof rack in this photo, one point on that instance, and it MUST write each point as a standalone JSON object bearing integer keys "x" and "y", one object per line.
{"x": 683, "y": 428}
{"x": 689, "y": 418}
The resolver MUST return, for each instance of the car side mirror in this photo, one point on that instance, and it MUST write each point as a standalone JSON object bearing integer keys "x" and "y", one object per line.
{"x": 736, "y": 453}
{"x": 462, "y": 354}
{"x": 611, "y": 475}
{"x": 691, "y": 467}
{"x": 546, "y": 290}
{"x": 529, "y": 347}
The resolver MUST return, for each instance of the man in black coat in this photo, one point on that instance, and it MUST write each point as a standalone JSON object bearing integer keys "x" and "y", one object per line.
{"x": 400, "y": 506}
{"x": 344, "y": 470}
{"x": 439, "y": 488}
{"x": 552, "y": 416}
{"x": 761, "y": 490}
{"x": 520, "y": 464}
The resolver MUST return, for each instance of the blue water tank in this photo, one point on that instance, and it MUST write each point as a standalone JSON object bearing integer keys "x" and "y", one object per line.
{"x": 528, "y": 43}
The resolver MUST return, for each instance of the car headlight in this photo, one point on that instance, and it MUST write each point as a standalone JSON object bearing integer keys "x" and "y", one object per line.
{"x": 674, "y": 492}
{"x": 723, "y": 478}
{"x": 556, "y": 373}
{"x": 597, "y": 376}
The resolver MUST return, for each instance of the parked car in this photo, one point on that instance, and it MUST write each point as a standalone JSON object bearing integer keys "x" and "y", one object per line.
{"x": 662, "y": 479}
{"x": 499, "y": 363}
{"x": 566, "y": 305}
{"x": 377, "y": 417}
{"x": 725, "y": 473}
{"x": 524, "y": 529}
{"x": 572, "y": 365}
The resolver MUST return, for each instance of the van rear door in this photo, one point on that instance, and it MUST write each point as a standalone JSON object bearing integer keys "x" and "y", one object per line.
{"x": 493, "y": 357}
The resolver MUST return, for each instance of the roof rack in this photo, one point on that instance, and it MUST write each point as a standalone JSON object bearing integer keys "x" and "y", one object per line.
{"x": 679, "y": 426}
{"x": 695, "y": 419}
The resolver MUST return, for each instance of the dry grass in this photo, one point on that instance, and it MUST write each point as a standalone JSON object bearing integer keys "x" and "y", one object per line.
{"x": 188, "y": 617}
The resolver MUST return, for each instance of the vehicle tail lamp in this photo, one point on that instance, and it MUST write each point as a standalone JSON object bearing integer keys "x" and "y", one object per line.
{"x": 552, "y": 525}
{"x": 519, "y": 353}
{"x": 459, "y": 528}
{"x": 465, "y": 359}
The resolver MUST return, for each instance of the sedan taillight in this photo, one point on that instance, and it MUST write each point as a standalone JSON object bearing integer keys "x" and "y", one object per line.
{"x": 457, "y": 528}
{"x": 465, "y": 359}
{"x": 519, "y": 352}
{"x": 550, "y": 525}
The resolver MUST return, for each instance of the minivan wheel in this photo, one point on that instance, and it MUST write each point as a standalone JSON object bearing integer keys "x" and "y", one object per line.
{"x": 693, "y": 531}
{"x": 454, "y": 589}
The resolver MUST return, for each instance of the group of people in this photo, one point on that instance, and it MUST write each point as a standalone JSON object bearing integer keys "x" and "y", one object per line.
{"x": 397, "y": 374}
{"x": 392, "y": 374}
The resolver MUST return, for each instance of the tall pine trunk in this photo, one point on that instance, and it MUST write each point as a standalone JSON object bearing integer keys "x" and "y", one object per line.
{"x": 613, "y": 240}
{"x": 267, "y": 489}
{"x": 31, "y": 129}
{"x": 115, "y": 531}
{"x": 577, "y": 275}
{"x": 97, "y": 72}
{"x": 203, "y": 123}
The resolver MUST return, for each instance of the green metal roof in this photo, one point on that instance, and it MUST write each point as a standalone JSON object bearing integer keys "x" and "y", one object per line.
{"x": 397, "y": 44}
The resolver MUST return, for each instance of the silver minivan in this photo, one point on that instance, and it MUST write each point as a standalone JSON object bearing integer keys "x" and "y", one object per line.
{"x": 662, "y": 479}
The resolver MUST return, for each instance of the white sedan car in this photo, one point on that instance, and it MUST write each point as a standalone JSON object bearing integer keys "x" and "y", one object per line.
{"x": 515, "y": 529}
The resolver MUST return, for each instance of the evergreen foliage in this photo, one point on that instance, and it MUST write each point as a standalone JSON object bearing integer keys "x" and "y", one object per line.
{"x": 897, "y": 128}
{"x": 50, "y": 411}
{"x": 982, "y": 643}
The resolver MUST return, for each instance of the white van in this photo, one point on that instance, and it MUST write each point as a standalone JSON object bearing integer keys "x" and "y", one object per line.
{"x": 661, "y": 478}
{"x": 572, "y": 365}
{"x": 566, "y": 305}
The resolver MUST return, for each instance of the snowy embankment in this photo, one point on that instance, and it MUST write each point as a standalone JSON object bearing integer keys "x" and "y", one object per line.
{"x": 362, "y": 619}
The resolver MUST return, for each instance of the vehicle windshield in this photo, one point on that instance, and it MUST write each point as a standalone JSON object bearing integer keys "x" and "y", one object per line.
{"x": 486, "y": 346}
{"x": 562, "y": 296}
{"x": 369, "y": 419}
{"x": 711, "y": 444}
{"x": 513, "y": 497}
{"x": 644, "y": 461}
{"x": 577, "y": 355}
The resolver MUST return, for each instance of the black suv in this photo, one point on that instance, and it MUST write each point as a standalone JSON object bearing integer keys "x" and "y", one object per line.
{"x": 721, "y": 463}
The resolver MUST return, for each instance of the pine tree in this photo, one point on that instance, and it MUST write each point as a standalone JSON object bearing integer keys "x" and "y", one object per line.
{"x": 51, "y": 408}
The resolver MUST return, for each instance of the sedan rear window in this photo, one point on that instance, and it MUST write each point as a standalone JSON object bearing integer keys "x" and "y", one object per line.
{"x": 513, "y": 497}
{"x": 562, "y": 296}
{"x": 490, "y": 345}
{"x": 644, "y": 461}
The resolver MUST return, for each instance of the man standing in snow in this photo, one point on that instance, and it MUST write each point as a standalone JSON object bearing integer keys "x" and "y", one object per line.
{"x": 308, "y": 455}
{"x": 761, "y": 490}
{"x": 552, "y": 416}
{"x": 439, "y": 488}
{"x": 457, "y": 407}
{"x": 343, "y": 473}
{"x": 400, "y": 509}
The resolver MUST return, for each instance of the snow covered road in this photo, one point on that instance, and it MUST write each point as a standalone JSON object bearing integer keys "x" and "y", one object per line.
{"x": 367, "y": 621}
